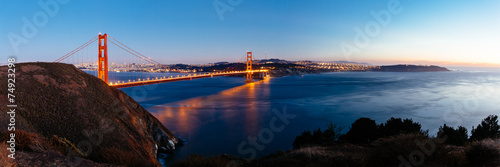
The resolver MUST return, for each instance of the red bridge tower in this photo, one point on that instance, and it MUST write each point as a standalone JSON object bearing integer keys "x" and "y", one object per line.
{"x": 249, "y": 67}
{"x": 102, "y": 64}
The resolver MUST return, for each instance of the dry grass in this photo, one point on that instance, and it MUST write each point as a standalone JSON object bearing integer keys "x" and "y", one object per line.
{"x": 210, "y": 161}
{"x": 26, "y": 141}
{"x": 313, "y": 151}
{"x": 388, "y": 150}
{"x": 117, "y": 156}
{"x": 483, "y": 153}
{"x": 4, "y": 160}
{"x": 61, "y": 145}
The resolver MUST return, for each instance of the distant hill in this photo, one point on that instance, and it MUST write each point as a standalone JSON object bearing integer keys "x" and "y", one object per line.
{"x": 63, "y": 111}
{"x": 410, "y": 68}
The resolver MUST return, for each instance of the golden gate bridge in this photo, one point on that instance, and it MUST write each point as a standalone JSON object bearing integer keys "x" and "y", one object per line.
{"x": 83, "y": 58}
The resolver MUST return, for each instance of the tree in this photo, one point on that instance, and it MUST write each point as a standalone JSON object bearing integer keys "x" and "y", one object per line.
{"x": 332, "y": 133}
{"x": 396, "y": 126}
{"x": 303, "y": 139}
{"x": 489, "y": 128}
{"x": 453, "y": 136}
{"x": 318, "y": 137}
{"x": 363, "y": 130}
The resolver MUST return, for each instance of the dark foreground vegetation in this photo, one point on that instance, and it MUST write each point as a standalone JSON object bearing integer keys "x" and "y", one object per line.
{"x": 396, "y": 142}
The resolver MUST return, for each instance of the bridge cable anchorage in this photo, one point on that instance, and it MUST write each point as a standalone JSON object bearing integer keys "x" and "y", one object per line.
{"x": 77, "y": 49}
{"x": 134, "y": 50}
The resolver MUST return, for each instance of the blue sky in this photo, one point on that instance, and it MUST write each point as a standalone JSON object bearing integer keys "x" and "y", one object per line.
{"x": 191, "y": 31}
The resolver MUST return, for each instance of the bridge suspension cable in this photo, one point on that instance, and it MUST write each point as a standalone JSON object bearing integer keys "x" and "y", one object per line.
{"x": 149, "y": 59}
{"x": 77, "y": 49}
{"x": 235, "y": 64}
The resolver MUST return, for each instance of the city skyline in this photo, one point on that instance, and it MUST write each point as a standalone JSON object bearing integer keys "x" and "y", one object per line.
{"x": 193, "y": 32}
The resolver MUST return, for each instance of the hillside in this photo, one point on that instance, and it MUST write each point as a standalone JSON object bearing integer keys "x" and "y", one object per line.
{"x": 410, "y": 68}
{"x": 63, "y": 111}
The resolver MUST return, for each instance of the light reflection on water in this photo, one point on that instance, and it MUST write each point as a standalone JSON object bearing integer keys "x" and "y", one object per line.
{"x": 191, "y": 114}
{"x": 216, "y": 114}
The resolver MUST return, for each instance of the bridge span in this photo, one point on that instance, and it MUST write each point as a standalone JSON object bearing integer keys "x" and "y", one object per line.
{"x": 262, "y": 74}
{"x": 103, "y": 67}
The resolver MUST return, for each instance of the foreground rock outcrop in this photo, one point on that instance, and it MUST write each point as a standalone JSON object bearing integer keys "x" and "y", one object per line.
{"x": 65, "y": 111}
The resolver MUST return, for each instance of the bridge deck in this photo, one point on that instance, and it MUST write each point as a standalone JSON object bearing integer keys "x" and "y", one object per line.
{"x": 189, "y": 77}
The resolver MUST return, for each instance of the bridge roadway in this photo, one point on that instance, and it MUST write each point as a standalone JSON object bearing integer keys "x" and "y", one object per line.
{"x": 181, "y": 78}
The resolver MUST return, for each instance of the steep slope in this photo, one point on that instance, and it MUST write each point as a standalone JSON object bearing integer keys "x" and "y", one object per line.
{"x": 65, "y": 105}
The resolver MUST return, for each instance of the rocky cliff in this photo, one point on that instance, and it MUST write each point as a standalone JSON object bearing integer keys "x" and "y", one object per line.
{"x": 65, "y": 111}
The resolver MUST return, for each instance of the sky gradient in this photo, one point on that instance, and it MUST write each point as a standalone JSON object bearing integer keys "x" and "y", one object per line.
{"x": 192, "y": 31}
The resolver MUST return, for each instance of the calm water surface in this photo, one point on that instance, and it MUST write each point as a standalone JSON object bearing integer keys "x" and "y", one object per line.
{"x": 215, "y": 115}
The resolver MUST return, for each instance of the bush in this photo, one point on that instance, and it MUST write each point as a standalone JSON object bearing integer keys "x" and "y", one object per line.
{"x": 481, "y": 153}
{"x": 318, "y": 137}
{"x": 363, "y": 130}
{"x": 303, "y": 139}
{"x": 413, "y": 149}
{"x": 396, "y": 126}
{"x": 489, "y": 128}
{"x": 120, "y": 157}
{"x": 200, "y": 160}
{"x": 332, "y": 133}
{"x": 453, "y": 136}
